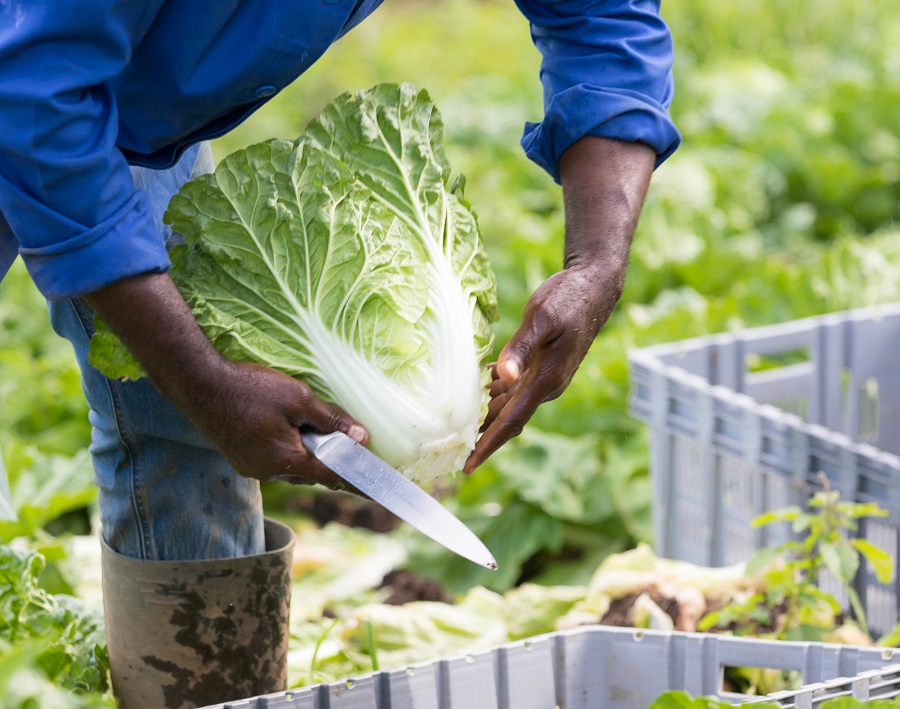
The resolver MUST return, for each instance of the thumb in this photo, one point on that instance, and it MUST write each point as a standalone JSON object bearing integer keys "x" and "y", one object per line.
{"x": 326, "y": 418}
{"x": 514, "y": 358}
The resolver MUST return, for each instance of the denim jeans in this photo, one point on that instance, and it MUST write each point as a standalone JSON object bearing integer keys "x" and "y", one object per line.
{"x": 165, "y": 493}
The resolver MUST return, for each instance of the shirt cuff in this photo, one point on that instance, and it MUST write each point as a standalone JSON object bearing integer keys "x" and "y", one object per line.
{"x": 125, "y": 245}
{"x": 608, "y": 113}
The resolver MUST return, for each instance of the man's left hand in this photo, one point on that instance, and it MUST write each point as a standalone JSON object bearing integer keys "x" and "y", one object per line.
{"x": 561, "y": 320}
{"x": 604, "y": 185}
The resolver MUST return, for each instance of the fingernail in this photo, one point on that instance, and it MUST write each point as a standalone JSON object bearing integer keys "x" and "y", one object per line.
{"x": 357, "y": 433}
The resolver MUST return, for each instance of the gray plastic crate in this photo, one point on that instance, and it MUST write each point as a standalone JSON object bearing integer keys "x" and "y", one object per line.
{"x": 730, "y": 440}
{"x": 596, "y": 667}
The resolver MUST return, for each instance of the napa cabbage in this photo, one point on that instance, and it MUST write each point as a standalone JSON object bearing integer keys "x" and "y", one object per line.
{"x": 347, "y": 259}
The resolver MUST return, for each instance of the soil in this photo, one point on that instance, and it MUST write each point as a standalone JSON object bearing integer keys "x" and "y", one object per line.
{"x": 407, "y": 586}
{"x": 621, "y": 611}
{"x": 352, "y": 511}
{"x": 346, "y": 509}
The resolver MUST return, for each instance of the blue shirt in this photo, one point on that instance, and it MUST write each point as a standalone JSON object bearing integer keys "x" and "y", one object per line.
{"x": 89, "y": 86}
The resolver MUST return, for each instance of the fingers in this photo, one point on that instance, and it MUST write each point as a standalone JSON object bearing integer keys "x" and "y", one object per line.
{"x": 305, "y": 469}
{"x": 549, "y": 365}
{"x": 326, "y": 418}
{"x": 520, "y": 382}
{"x": 515, "y": 410}
{"x": 289, "y": 460}
{"x": 516, "y": 391}
{"x": 500, "y": 396}
{"x": 262, "y": 440}
{"x": 300, "y": 467}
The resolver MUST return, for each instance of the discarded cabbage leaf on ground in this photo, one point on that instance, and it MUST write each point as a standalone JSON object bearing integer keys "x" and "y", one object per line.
{"x": 639, "y": 571}
{"x": 340, "y": 567}
{"x": 401, "y": 635}
{"x": 347, "y": 259}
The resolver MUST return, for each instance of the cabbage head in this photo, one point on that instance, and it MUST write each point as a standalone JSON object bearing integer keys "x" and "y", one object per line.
{"x": 346, "y": 259}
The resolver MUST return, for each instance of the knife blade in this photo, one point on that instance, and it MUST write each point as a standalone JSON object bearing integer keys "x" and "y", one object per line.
{"x": 392, "y": 490}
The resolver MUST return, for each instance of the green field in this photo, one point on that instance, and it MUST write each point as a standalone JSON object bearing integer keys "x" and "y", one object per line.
{"x": 781, "y": 203}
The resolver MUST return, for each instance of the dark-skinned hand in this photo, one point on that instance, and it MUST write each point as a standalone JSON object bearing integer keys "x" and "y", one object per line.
{"x": 561, "y": 320}
{"x": 255, "y": 418}
{"x": 604, "y": 185}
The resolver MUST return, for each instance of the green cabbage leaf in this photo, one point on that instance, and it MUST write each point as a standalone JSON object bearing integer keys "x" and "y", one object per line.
{"x": 348, "y": 260}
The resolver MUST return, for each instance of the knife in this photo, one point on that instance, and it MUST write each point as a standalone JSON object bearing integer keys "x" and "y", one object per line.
{"x": 392, "y": 490}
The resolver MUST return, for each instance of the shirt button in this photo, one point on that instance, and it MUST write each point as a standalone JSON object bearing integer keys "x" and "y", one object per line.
{"x": 265, "y": 91}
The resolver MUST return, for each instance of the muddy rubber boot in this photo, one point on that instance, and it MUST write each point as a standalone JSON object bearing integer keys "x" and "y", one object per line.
{"x": 192, "y": 633}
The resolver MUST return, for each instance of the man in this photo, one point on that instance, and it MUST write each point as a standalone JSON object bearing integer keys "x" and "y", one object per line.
{"x": 87, "y": 89}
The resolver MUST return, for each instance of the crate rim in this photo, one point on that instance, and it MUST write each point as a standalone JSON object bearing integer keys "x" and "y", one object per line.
{"x": 650, "y": 356}
{"x": 810, "y": 694}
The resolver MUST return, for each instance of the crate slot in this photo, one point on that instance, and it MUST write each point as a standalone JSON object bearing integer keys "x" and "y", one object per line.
{"x": 744, "y": 422}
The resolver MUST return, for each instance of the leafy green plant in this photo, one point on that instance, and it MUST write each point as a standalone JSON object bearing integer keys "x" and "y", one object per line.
{"x": 792, "y": 606}
{"x": 43, "y": 487}
{"x": 66, "y": 635}
{"x": 24, "y": 686}
{"x": 40, "y": 385}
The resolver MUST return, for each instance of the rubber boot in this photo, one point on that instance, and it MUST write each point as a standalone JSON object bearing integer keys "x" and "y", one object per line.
{"x": 192, "y": 633}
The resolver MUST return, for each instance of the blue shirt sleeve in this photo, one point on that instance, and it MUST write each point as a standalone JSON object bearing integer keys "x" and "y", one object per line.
{"x": 606, "y": 71}
{"x": 66, "y": 191}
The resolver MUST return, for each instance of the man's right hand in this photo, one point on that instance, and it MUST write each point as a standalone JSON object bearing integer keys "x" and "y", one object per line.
{"x": 251, "y": 414}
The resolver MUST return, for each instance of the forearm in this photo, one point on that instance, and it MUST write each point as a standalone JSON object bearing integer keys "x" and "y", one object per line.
{"x": 151, "y": 318}
{"x": 250, "y": 414}
{"x": 604, "y": 184}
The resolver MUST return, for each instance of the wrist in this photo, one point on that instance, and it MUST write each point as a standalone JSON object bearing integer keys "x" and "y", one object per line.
{"x": 602, "y": 283}
{"x": 609, "y": 263}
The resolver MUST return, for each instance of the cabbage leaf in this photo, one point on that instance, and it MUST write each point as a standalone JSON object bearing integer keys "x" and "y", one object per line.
{"x": 346, "y": 259}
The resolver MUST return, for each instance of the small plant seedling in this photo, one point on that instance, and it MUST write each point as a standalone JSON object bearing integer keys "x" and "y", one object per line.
{"x": 370, "y": 641}
{"x": 792, "y": 606}
{"x": 321, "y": 639}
